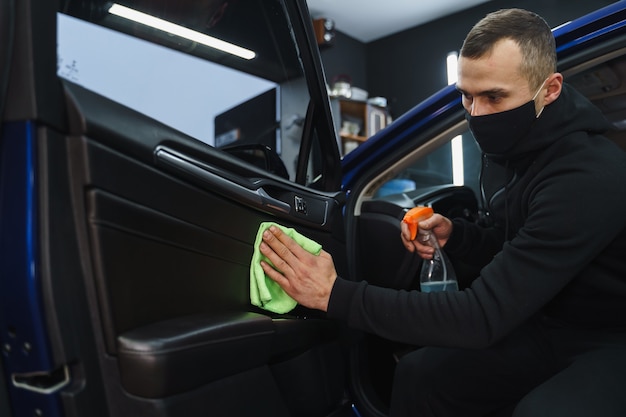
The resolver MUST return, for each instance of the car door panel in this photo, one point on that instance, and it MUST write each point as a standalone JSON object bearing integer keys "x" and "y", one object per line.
{"x": 169, "y": 227}
{"x": 133, "y": 241}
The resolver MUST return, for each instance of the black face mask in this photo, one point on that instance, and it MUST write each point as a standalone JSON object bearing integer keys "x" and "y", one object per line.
{"x": 498, "y": 133}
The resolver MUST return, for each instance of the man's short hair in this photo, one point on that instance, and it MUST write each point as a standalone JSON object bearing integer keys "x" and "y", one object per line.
{"x": 531, "y": 33}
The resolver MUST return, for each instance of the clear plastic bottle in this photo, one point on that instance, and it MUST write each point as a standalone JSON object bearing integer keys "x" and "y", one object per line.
{"x": 437, "y": 274}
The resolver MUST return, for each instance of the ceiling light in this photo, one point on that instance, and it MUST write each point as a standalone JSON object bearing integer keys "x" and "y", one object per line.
{"x": 458, "y": 177}
{"x": 451, "y": 65}
{"x": 183, "y": 32}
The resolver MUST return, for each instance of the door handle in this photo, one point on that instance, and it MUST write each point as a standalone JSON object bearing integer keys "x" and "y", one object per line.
{"x": 253, "y": 195}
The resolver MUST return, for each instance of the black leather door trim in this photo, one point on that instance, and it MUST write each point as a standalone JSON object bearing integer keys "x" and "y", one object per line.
{"x": 281, "y": 199}
{"x": 250, "y": 194}
{"x": 178, "y": 355}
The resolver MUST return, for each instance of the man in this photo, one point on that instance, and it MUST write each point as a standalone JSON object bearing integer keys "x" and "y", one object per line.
{"x": 542, "y": 330}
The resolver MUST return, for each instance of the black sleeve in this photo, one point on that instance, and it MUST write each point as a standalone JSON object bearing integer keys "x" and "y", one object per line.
{"x": 554, "y": 247}
{"x": 474, "y": 244}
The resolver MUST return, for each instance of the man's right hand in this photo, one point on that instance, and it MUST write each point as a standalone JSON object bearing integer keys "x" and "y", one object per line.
{"x": 439, "y": 225}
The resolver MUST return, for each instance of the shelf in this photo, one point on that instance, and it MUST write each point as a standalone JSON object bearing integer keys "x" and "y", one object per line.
{"x": 361, "y": 117}
{"x": 357, "y": 138}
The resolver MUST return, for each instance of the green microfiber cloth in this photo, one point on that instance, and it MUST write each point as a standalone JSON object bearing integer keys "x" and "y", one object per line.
{"x": 264, "y": 292}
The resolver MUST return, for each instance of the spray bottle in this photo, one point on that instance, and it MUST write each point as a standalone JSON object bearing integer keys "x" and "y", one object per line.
{"x": 437, "y": 274}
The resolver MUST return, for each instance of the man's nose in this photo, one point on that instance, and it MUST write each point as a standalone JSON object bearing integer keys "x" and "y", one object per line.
{"x": 476, "y": 109}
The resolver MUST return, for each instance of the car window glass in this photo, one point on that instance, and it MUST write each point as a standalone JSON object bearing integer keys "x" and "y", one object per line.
{"x": 437, "y": 168}
{"x": 253, "y": 95}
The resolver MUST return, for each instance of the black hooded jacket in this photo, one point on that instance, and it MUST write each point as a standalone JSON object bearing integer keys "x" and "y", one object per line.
{"x": 557, "y": 247}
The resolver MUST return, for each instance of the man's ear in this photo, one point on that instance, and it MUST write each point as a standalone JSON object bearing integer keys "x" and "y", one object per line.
{"x": 554, "y": 85}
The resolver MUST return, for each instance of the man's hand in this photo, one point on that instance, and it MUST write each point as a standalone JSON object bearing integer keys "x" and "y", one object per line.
{"x": 306, "y": 278}
{"x": 437, "y": 224}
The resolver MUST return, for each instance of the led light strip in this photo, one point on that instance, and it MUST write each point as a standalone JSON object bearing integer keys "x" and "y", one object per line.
{"x": 183, "y": 32}
{"x": 458, "y": 176}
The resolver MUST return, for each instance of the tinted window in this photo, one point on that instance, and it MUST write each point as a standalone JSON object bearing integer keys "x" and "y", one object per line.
{"x": 437, "y": 168}
{"x": 253, "y": 97}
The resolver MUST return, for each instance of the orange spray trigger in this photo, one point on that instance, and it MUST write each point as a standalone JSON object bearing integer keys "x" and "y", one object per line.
{"x": 414, "y": 216}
